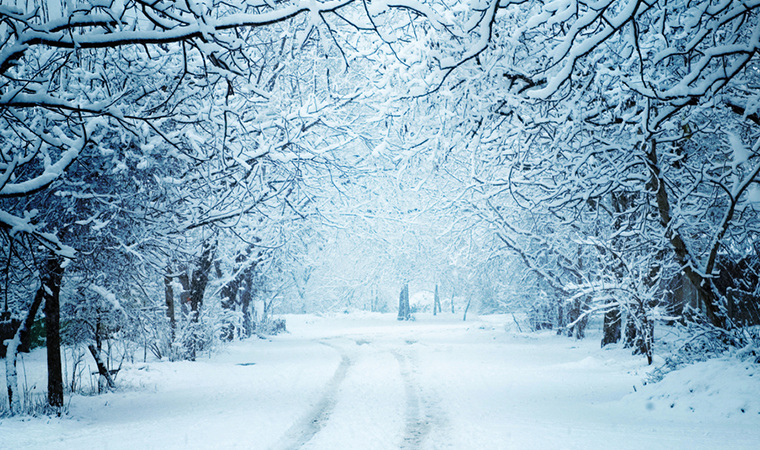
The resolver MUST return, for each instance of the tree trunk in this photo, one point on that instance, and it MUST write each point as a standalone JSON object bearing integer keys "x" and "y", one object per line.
{"x": 611, "y": 328}
{"x": 649, "y": 340}
{"x": 630, "y": 333}
{"x": 436, "y": 302}
{"x": 580, "y": 328}
{"x": 200, "y": 277}
{"x": 11, "y": 376}
{"x": 229, "y": 299}
{"x": 102, "y": 369}
{"x": 639, "y": 333}
{"x": 613, "y": 323}
{"x": 683, "y": 257}
{"x": 641, "y": 337}
{"x": 26, "y": 331}
{"x": 576, "y": 325}
{"x": 578, "y": 319}
{"x": 21, "y": 342}
{"x": 197, "y": 290}
{"x": 52, "y": 283}
{"x": 169, "y": 296}
{"x": 249, "y": 325}
{"x": 8, "y": 329}
{"x": 404, "y": 312}
{"x": 406, "y": 302}
{"x": 401, "y": 306}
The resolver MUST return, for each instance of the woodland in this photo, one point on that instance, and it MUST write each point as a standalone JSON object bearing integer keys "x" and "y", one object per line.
{"x": 175, "y": 173}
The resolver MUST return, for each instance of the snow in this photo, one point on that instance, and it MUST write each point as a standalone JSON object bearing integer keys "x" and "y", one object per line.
{"x": 724, "y": 387}
{"x": 366, "y": 380}
{"x": 107, "y": 295}
{"x": 740, "y": 151}
{"x": 753, "y": 195}
{"x": 422, "y": 300}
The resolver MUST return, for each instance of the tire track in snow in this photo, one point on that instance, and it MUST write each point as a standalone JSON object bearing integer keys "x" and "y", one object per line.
{"x": 418, "y": 425}
{"x": 302, "y": 431}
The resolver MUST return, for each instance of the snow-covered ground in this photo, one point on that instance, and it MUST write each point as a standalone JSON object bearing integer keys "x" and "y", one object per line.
{"x": 366, "y": 381}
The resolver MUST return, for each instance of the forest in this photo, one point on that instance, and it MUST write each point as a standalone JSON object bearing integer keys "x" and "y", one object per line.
{"x": 176, "y": 174}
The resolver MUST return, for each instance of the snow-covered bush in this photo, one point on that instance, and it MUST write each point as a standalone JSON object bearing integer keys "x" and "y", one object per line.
{"x": 272, "y": 327}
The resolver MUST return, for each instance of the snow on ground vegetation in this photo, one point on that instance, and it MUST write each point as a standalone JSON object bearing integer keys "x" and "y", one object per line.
{"x": 367, "y": 381}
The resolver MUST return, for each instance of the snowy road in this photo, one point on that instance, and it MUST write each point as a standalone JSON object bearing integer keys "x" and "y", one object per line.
{"x": 368, "y": 382}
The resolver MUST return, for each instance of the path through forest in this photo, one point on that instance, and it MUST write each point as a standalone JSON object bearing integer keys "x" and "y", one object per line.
{"x": 366, "y": 381}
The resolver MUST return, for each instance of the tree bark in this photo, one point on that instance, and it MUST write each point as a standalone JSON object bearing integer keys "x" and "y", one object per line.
{"x": 639, "y": 333}
{"x": 611, "y": 327}
{"x": 102, "y": 369}
{"x": 560, "y": 316}
{"x": 229, "y": 298}
{"x": 703, "y": 285}
{"x": 577, "y": 319}
{"x": 200, "y": 277}
{"x": 21, "y": 342}
{"x": 197, "y": 290}
{"x": 580, "y": 328}
{"x": 11, "y": 375}
{"x": 404, "y": 312}
{"x": 401, "y": 306}
{"x": 630, "y": 333}
{"x": 52, "y": 285}
{"x": 436, "y": 302}
{"x": 26, "y": 331}
{"x": 406, "y": 302}
{"x": 169, "y": 297}
{"x": 246, "y": 294}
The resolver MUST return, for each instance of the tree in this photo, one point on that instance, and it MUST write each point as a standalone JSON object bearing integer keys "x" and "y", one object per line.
{"x": 149, "y": 93}
{"x": 436, "y": 302}
{"x": 52, "y": 285}
{"x": 564, "y": 123}
{"x": 404, "y": 312}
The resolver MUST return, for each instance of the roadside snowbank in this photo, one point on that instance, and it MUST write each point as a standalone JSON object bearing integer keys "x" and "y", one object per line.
{"x": 717, "y": 388}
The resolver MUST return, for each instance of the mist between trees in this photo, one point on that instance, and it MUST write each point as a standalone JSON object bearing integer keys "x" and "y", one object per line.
{"x": 173, "y": 173}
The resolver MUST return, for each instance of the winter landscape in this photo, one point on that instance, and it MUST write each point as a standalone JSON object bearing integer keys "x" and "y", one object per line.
{"x": 365, "y": 380}
{"x": 397, "y": 224}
